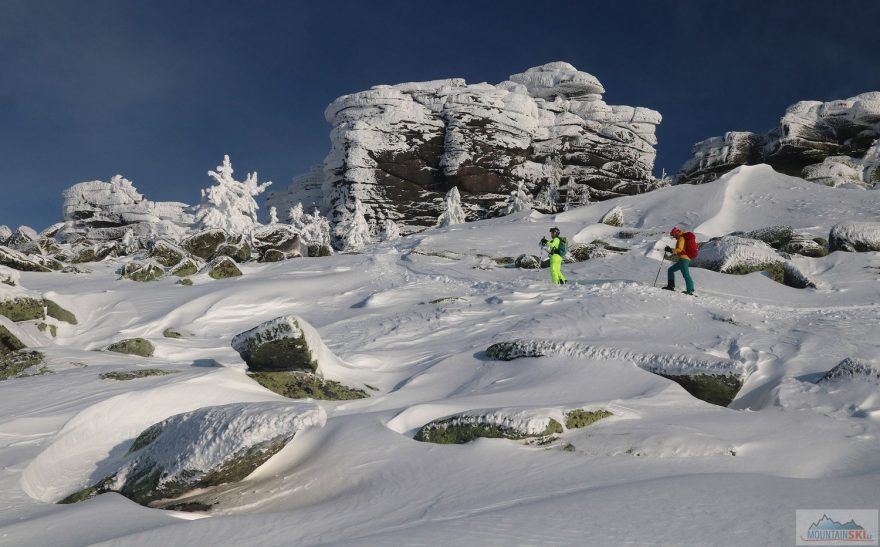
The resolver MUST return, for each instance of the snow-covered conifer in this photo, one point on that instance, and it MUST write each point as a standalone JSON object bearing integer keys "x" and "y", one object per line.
{"x": 273, "y": 215}
{"x": 314, "y": 228}
{"x": 548, "y": 198}
{"x": 577, "y": 195}
{"x": 390, "y": 230}
{"x": 230, "y": 204}
{"x": 352, "y": 232}
{"x": 296, "y": 217}
{"x": 452, "y": 212}
{"x": 519, "y": 200}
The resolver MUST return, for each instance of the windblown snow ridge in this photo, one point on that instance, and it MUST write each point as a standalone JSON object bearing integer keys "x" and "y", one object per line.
{"x": 659, "y": 363}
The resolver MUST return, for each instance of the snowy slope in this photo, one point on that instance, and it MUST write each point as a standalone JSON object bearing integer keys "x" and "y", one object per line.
{"x": 413, "y": 319}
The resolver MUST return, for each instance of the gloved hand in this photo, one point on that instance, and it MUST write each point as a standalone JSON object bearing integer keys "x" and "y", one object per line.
{"x": 543, "y": 241}
{"x": 667, "y": 249}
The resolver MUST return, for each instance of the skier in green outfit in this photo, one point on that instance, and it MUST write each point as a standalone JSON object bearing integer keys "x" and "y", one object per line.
{"x": 553, "y": 249}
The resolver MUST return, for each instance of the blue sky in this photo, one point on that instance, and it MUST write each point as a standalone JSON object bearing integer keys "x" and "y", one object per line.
{"x": 159, "y": 90}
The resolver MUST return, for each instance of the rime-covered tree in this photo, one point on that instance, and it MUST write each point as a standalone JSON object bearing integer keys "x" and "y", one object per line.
{"x": 351, "y": 232}
{"x": 519, "y": 200}
{"x": 296, "y": 217}
{"x": 452, "y": 211}
{"x": 229, "y": 204}
{"x": 547, "y": 199}
{"x": 390, "y": 230}
{"x": 314, "y": 228}
{"x": 273, "y": 215}
{"x": 577, "y": 195}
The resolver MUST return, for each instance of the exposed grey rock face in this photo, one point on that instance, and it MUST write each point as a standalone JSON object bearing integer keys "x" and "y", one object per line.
{"x": 835, "y": 143}
{"x": 398, "y": 150}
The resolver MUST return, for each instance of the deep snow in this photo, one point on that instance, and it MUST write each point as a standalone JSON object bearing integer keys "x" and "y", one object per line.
{"x": 413, "y": 318}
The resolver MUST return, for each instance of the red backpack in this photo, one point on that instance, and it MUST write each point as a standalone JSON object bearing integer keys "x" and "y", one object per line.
{"x": 690, "y": 245}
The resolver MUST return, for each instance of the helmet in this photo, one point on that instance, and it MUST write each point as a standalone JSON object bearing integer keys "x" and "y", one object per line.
{"x": 554, "y": 230}
{"x": 674, "y": 232}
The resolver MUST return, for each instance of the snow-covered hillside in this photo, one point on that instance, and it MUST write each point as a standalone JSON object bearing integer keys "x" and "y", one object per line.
{"x": 410, "y": 322}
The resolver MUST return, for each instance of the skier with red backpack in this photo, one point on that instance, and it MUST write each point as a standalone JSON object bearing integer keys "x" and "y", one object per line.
{"x": 685, "y": 250}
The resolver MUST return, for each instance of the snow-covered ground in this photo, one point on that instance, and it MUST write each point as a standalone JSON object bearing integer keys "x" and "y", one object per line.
{"x": 413, "y": 319}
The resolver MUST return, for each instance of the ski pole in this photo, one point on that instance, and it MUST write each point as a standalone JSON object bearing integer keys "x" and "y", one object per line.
{"x": 660, "y": 268}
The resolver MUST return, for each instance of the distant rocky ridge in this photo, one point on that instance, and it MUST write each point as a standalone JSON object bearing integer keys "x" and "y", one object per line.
{"x": 397, "y": 150}
{"x": 835, "y": 143}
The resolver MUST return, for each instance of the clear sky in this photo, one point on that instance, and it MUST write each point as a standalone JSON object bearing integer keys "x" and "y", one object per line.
{"x": 159, "y": 90}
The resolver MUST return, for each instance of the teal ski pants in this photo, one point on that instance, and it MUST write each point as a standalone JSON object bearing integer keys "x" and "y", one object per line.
{"x": 683, "y": 265}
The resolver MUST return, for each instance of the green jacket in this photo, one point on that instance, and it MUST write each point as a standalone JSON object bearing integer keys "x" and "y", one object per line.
{"x": 553, "y": 245}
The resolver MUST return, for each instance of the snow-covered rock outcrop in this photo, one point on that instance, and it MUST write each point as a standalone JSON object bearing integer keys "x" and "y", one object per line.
{"x": 278, "y": 344}
{"x": 858, "y": 237}
{"x": 397, "y": 150}
{"x": 203, "y": 448}
{"x": 853, "y": 369}
{"x": 835, "y": 143}
{"x": 100, "y": 211}
{"x": 732, "y": 254}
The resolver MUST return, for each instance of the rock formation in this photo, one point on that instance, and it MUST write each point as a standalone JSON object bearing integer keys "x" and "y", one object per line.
{"x": 835, "y": 143}
{"x": 397, "y": 150}
{"x": 102, "y": 211}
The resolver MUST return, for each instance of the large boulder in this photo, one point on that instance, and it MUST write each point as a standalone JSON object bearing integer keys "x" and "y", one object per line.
{"x": 280, "y": 237}
{"x": 204, "y": 448}
{"x": 149, "y": 270}
{"x": 502, "y": 423}
{"x": 397, "y": 150}
{"x": 737, "y": 255}
{"x": 204, "y": 244}
{"x": 27, "y": 263}
{"x": 276, "y": 345}
{"x": 22, "y": 308}
{"x": 222, "y": 267}
{"x": 859, "y": 237}
{"x": 167, "y": 253}
{"x": 836, "y": 143}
